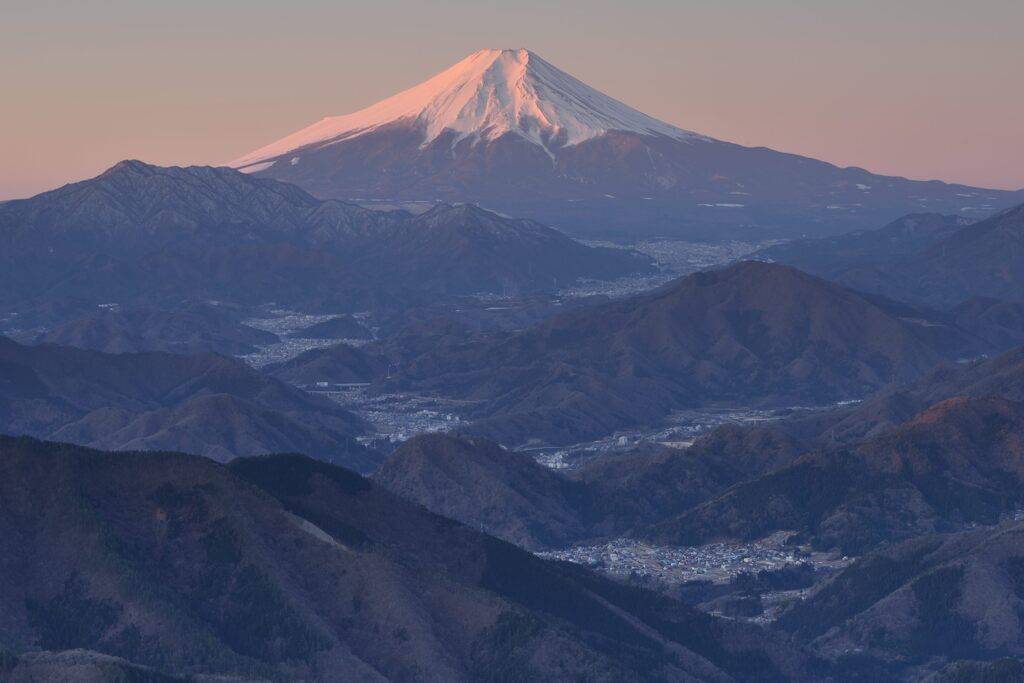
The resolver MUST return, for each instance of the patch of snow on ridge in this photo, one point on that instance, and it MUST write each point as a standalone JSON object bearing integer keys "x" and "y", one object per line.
{"x": 255, "y": 168}
{"x": 486, "y": 95}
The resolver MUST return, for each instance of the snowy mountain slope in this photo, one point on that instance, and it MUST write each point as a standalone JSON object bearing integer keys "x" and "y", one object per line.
{"x": 488, "y": 94}
{"x": 509, "y": 131}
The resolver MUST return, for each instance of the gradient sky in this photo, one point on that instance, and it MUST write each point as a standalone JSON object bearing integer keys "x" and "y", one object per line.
{"x": 921, "y": 88}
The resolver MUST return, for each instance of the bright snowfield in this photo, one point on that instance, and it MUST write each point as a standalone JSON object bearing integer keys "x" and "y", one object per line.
{"x": 488, "y": 94}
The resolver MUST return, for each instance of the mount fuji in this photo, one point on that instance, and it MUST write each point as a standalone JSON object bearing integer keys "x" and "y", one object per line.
{"x": 510, "y": 131}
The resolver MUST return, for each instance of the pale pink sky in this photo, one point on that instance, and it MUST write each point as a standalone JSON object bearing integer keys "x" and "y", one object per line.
{"x": 921, "y": 88}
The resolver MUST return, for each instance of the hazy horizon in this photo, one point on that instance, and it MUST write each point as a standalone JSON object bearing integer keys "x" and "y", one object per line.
{"x": 915, "y": 90}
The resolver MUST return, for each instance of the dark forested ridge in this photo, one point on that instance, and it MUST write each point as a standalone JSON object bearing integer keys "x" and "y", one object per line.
{"x": 142, "y": 234}
{"x": 752, "y": 333}
{"x": 201, "y": 403}
{"x": 929, "y": 258}
{"x": 286, "y": 568}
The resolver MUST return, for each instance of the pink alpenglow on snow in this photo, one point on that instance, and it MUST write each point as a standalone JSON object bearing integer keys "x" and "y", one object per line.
{"x": 509, "y": 131}
{"x": 487, "y": 95}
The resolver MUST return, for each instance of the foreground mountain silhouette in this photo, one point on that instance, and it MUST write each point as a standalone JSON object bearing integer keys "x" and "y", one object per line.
{"x": 950, "y": 596}
{"x": 283, "y": 568}
{"x": 511, "y": 131}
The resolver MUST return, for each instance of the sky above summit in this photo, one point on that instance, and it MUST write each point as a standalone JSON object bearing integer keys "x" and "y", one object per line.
{"x": 919, "y": 88}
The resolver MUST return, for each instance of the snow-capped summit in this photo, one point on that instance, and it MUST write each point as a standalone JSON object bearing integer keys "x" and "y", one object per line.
{"x": 509, "y": 131}
{"x": 488, "y": 94}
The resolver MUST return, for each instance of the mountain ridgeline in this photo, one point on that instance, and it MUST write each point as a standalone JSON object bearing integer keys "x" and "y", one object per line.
{"x": 930, "y": 458}
{"x": 930, "y": 505}
{"x": 957, "y": 463}
{"x": 509, "y": 130}
{"x": 195, "y": 328}
{"x": 141, "y": 234}
{"x": 930, "y": 258}
{"x": 202, "y": 403}
{"x": 284, "y": 568}
{"x": 510, "y": 495}
{"x": 805, "y": 465}
{"x": 749, "y": 334}
{"x": 830, "y": 257}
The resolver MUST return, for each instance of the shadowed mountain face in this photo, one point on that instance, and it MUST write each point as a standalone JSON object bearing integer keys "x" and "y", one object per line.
{"x": 959, "y": 461}
{"x": 951, "y": 596}
{"x": 509, "y": 130}
{"x": 206, "y": 404}
{"x": 285, "y": 568}
{"x": 510, "y": 495}
{"x": 145, "y": 234}
{"x": 953, "y": 460}
{"x": 985, "y": 259}
{"x": 197, "y": 328}
{"x": 483, "y": 485}
{"x": 751, "y": 333}
{"x": 928, "y": 258}
{"x": 338, "y": 364}
{"x": 901, "y": 612}
{"x": 830, "y": 257}
{"x": 948, "y": 451}
{"x": 1001, "y": 376}
{"x": 632, "y": 491}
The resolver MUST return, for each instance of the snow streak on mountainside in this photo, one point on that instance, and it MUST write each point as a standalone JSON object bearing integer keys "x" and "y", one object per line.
{"x": 488, "y": 94}
{"x": 508, "y": 131}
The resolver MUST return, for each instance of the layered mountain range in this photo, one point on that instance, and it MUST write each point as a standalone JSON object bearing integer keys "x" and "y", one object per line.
{"x": 510, "y": 495}
{"x": 889, "y": 434}
{"x": 284, "y": 568}
{"x": 751, "y": 333}
{"x": 957, "y": 462}
{"x": 831, "y": 257}
{"x": 191, "y": 328}
{"x": 146, "y": 235}
{"x": 927, "y": 458}
{"x": 957, "y": 596}
{"x": 509, "y": 130}
{"x": 928, "y": 258}
{"x": 203, "y": 403}
{"x": 930, "y": 504}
